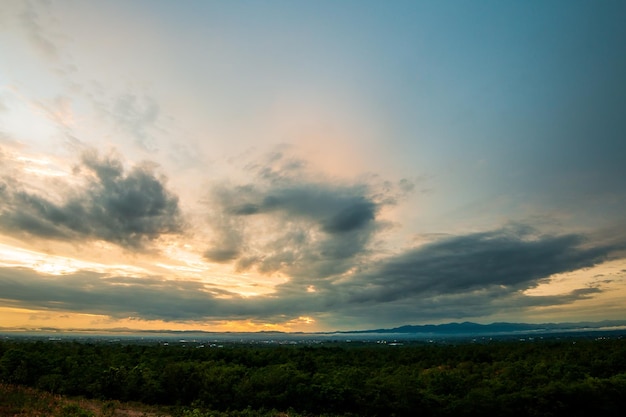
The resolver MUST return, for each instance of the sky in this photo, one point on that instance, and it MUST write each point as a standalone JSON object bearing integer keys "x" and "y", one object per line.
{"x": 311, "y": 165}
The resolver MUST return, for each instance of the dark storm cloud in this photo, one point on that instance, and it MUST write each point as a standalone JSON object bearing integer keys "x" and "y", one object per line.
{"x": 125, "y": 208}
{"x": 503, "y": 258}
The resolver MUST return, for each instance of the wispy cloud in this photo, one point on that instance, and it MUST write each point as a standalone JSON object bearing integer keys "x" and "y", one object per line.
{"x": 37, "y": 32}
{"x": 137, "y": 116}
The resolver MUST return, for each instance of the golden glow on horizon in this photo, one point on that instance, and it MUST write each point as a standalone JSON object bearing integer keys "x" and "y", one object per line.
{"x": 609, "y": 275}
{"x": 22, "y": 319}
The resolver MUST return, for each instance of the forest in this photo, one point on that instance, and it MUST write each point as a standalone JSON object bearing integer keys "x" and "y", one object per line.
{"x": 568, "y": 377}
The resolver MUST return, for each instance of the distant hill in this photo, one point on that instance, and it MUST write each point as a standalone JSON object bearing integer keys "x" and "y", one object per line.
{"x": 465, "y": 329}
{"x": 469, "y": 328}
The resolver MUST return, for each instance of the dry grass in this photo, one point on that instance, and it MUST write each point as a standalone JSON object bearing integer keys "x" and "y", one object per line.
{"x": 16, "y": 401}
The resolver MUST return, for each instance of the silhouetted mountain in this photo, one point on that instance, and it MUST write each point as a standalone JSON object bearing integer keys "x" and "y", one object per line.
{"x": 465, "y": 329}
{"x": 469, "y": 328}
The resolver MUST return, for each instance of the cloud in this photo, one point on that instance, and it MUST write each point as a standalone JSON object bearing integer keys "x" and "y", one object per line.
{"x": 319, "y": 234}
{"x": 136, "y": 115}
{"x": 460, "y": 277}
{"x": 151, "y": 297}
{"x": 356, "y": 214}
{"x": 221, "y": 255}
{"x": 476, "y": 305}
{"x": 95, "y": 293}
{"x": 36, "y": 29}
{"x": 291, "y": 221}
{"x": 126, "y": 208}
{"x": 457, "y": 277}
{"x": 335, "y": 209}
{"x": 505, "y": 258}
{"x": 59, "y": 110}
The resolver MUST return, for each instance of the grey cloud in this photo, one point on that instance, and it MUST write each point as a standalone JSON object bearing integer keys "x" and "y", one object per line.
{"x": 120, "y": 297}
{"x": 317, "y": 201}
{"x": 23, "y": 212}
{"x": 465, "y": 263}
{"x": 228, "y": 244}
{"x": 316, "y": 229}
{"x": 297, "y": 222}
{"x": 460, "y": 277}
{"x": 354, "y": 216}
{"x": 245, "y": 209}
{"x": 94, "y": 293}
{"x": 459, "y": 288}
{"x": 128, "y": 209}
{"x": 471, "y": 305}
{"x": 221, "y": 255}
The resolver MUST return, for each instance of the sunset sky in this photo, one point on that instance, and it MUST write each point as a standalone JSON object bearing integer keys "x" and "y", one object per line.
{"x": 311, "y": 165}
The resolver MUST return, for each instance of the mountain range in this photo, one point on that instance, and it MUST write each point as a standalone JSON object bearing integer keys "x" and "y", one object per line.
{"x": 464, "y": 329}
{"x": 470, "y": 328}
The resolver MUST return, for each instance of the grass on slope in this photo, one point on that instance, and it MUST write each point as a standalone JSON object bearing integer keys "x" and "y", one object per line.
{"x": 16, "y": 401}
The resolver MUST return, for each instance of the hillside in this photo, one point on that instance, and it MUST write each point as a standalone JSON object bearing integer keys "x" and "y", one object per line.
{"x": 19, "y": 401}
